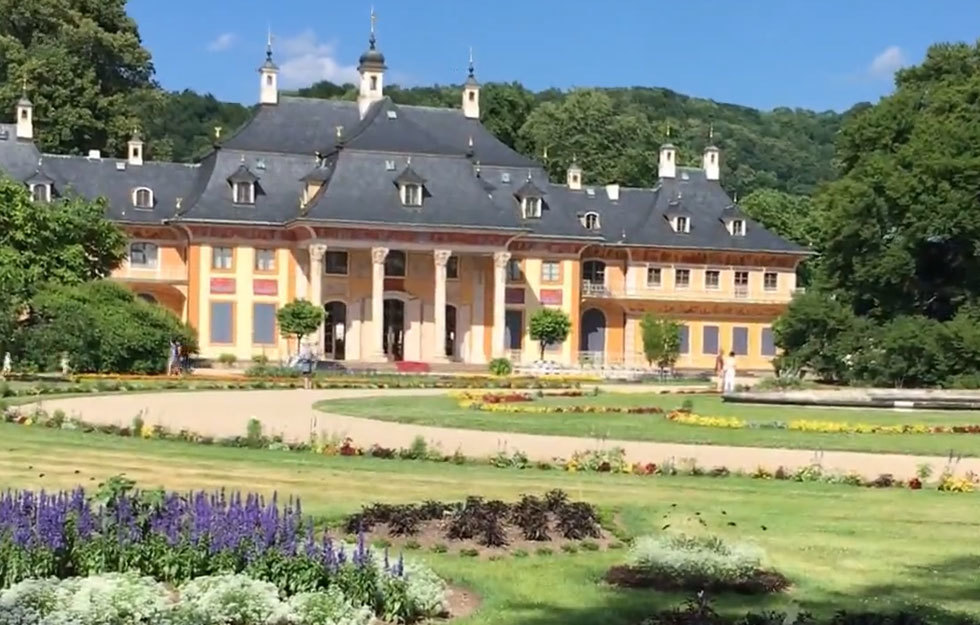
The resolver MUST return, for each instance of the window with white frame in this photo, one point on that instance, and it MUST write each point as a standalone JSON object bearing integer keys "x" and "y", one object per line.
{"x": 143, "y": 197}
{"x": 265, "y": 260}
{"x": 655, "y": 277}
{"x": 41, "y": 192}
{"x": 770, "y": 280}
{"x": 591, "y": 221}
{"x": 143, "y": 255}
{"x": 514, "y": 271}
{"x": 412, "y": 194}
{"x": 682, "y": 278}
{"x": 712, "y": 279}
{"x": 244, "y": 192}
{"x": 681, "y": 223}
{"x": 335, "y": 262}
{"x": 550, "y": 271}
{"x": 222, "y": 257}
{"x": 531, "y": 207}
{"x": 738, "y": 227}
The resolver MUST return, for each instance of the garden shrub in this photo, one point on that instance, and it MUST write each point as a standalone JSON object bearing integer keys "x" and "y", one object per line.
{"x": 102, "y": 326}
{"x": 500, "y": 367}
{"x": 682, "y": 561}
{"x": 328, "y": 608}
{"x": 227, "y": 359}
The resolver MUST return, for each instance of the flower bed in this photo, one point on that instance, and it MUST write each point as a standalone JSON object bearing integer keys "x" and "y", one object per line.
{"x": 516, "y": 403}
{"x": 127, "y": 598}
{"x": 612, "y": 460}
{"x": 476, "y": 522}
{"x": 113, "y": 384}
{"x": 175, "y": 538}
{"x": 827, "y": 427}
{"x": 678, "y": 561}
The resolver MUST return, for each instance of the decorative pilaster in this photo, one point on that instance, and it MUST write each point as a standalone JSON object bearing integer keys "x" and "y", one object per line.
{"x": 317, "y": 252}
{"x": 500, "y": 261}
{"x": 378, "y": 256}
{"x": 441, "y": 257}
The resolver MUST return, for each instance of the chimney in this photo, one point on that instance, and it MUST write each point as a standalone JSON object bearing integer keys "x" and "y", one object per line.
{"x": 712, "y": 162}
{"x": 573, "y": 177}
{"x": 25, "y": 118}
{"x": 612, "y": 190}
{"x": 667, "y": 167}
{"x": 94, "y": 154}
{"x": 134, "y": 150}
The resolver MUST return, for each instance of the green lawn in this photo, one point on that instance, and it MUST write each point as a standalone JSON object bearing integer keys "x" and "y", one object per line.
{"x": 445, "y": 411}
{"x": 843, "y": 547}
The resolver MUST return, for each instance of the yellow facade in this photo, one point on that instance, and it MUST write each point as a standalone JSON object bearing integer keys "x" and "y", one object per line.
{"x": 734, "y": 296}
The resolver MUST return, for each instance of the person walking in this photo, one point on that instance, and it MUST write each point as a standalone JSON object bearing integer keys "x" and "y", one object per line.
{"x": 8, "y": 365}
{"x": 172, "y": 357}
{"x": 306, "y": 365}
{"x": 729, "y": 373}
{"x": 719, "y": 370}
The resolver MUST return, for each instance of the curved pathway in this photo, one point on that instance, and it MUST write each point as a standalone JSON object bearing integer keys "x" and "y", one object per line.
{"x": 291, "y": 414}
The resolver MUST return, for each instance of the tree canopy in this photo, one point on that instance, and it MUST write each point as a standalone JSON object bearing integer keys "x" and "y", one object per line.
{"x": 901, "y": 227}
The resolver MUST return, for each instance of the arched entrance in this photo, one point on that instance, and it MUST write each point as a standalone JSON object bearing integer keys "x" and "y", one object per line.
{"x": 146, "y": 297}
{"x": 393, "y": 337}
{"x": 450, "y": 331}
{"x": 592, "y": 340}
{"x": 334, "y": 330}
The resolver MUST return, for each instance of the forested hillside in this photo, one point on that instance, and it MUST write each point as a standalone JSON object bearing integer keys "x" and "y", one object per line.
{"x": 107, "y": 88}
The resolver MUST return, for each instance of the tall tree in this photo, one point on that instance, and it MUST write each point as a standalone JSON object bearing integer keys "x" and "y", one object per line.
{"x": 901, "y": 228}
{"x": 68, "y": 241}
{"x": 86, "y": 71}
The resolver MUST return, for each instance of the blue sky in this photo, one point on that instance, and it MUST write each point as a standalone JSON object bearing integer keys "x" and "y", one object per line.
{"x": 818, "y": 54}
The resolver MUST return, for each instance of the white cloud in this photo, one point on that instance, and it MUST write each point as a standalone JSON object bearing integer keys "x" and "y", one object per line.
{"x": 303, "y": 60}
{"x": 886, "y": 63}
{"x": 222, "y": 42}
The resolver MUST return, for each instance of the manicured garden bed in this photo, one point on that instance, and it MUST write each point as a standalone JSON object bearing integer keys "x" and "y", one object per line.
{"x": 584, "y": 417}
{"x": 839, "y": 546}
{"x": 476, "y": 527}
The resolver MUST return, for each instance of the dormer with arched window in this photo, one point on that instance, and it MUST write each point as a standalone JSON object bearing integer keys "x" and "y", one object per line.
{"x": 243, "y": 184}
{"x": 591, "y": 220}
{"x": 143, "y": 197}
{"x": 411, "y": 187}
{"x": 531, "y": 199}
{"x": 40, "y": 185}
{"x": 735, "y": 221}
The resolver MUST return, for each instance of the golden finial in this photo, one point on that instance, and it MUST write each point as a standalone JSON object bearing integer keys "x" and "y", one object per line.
{"x": 711, "y": 132}
{"x": 340, "y": 131}
{"x": 217, "y": 132}
{"x": 374, "y": 18}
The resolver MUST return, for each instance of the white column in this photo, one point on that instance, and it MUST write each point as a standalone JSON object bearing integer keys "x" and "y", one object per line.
{"x": 500, "y": 260}
{"x": 441, "y": 257}
{"x": 378, "y": 255}
{"x": 317, "y": 251}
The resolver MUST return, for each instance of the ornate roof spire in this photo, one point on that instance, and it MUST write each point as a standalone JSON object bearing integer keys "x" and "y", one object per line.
{"x": 269, "y": 64}
{"x": 24, "y": 100}
{"x": 471, "y": 62}
{"x": 372, "y": 57}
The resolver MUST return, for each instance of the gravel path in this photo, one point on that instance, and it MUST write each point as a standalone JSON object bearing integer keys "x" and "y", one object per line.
{"x": 290, "y": 413}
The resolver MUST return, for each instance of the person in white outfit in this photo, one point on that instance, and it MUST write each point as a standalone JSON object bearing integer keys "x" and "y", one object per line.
{"x": 728, "y": 373}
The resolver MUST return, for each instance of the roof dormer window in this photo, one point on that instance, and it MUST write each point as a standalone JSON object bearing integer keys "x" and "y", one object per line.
{"x": 531, "y": 207}
{"x": 681, "y": 224}
{"x": 736, "y": 227}
{"x": 143, "y": 197}
{"x": 591, "y": 221}
{"x": 243, "y": 183}
{"x": 244, "y": 192}
{"x": 41, "y": 192}
{"x": 411, "y": 194}
{"x": 411, "y": 186}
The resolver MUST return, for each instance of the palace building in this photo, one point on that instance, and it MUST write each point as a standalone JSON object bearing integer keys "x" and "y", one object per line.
{"x": 423, "y": 236}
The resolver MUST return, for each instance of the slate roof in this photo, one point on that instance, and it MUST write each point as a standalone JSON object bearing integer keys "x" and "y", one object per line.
{"x": 472, "y": 180}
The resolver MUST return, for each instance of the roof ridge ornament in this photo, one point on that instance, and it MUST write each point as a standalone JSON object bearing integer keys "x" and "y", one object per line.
{"x": 374, "y": 18}
{"x": 471, "y": 69}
